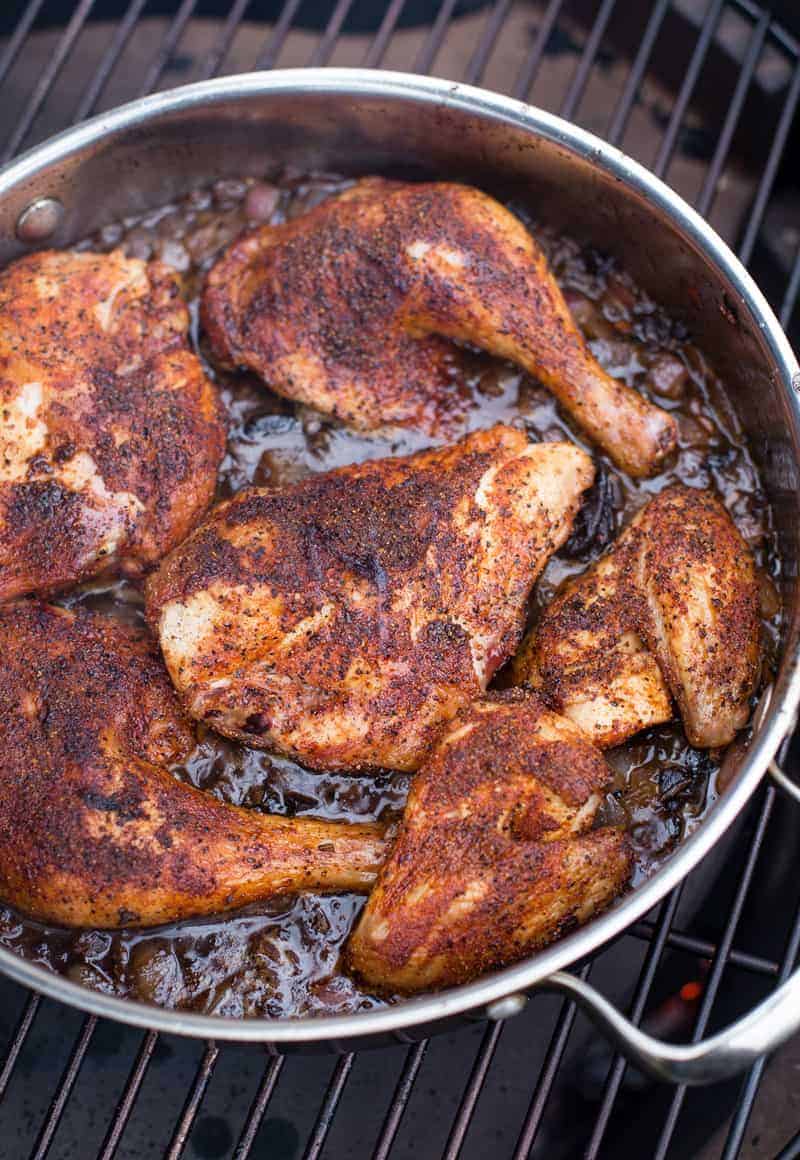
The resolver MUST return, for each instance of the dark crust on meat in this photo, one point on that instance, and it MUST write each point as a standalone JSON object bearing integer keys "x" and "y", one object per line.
{"x": 68, "y": 684}
{"x": 362, "y": 541}
{"x": 496, "y": 806}
{"x": 325, "y": 286}
{"x": 133, "y": 398}
{"x": 93, "y": 829}
{"x": 689, "y": 532}
{"x": 343, "y": 522}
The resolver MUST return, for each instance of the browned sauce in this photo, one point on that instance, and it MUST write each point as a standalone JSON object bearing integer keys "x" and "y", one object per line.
{"x": 282, "y": 959}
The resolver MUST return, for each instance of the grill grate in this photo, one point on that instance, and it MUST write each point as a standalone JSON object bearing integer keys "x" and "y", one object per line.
{"x": 519, "y": 1095}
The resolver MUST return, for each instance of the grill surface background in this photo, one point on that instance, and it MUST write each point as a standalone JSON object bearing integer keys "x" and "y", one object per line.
{"x": 705, "y": 93}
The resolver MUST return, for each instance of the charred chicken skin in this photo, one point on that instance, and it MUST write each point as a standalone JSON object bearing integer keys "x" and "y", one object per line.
{"x": 671, "y": 612}
{"x": 345, "y": 309}
{"x": 111, "y": 434}
{"x": 94, "y": 830}
{"x": 345, "y": 618}
{"x": 496, "y": 855}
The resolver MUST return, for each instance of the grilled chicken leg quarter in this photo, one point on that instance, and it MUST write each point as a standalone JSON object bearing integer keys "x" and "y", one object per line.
{"x": 94, "y": 831}
{"x": 341, "y": 308}
{"x": 670, "y": 612}
{"x": 496, "y": 854}
{"x": 111, "y": 433}
{"x": 345, "y": 618}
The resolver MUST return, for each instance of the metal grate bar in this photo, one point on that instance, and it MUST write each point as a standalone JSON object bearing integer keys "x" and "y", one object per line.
{"x": 258, "y": 1108}
{"x": 18, "y": 1042}
{"x": 754, "y": 47}
{"x": 19, "y": 36}
{"x": 472, "y": 1092}
{"x": 771, "y": 167}
{"x": 578, "y": 84}
{"x": 174, "y": 33}
{"x": 706, "y": 950}
{"x": 128, "y": 1098}
{"x": 744, "y": 1107}
{"x": 193, "y": 1101}
{"x": 54, "y": 67}
{"x": 624, "y": 107}
{"x": 324, "y": 49}
{"x": 747, "y": 1097}
{"x": 329, "y": 1106}
{"x": 480, "y": 58}
{"x": 66, "y": 1084}
{"x": 718, "y": 968}
{"x": 790, "y": 297}
{"x": 110, "y": 57}
{"x": 781, "y": 35}
{"x": 709, "y": 28}
{"x": 272, "y": 49}
{"x": 527, "y": 74}
{"x": 225, "y": 39}
{"x": 433, "y": 43}
{"x": 641, "y": 996}
{"x": 547, "y": 1075}
{"x": 792, "y": 1149}
{"x": 400, "y": 1098}
{"x": 659, "y": 935}
{"x": 377, "y": 49}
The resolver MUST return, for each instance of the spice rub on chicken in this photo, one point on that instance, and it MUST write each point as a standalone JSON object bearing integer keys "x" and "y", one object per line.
{"x": 346, "y": 307}
{"x": 496, "y": 855}
{"x": 94, "y": 830}
{"x": 111, "y": 434}
{"x": 671, "y": 612}
{"x": 345, "y": 618}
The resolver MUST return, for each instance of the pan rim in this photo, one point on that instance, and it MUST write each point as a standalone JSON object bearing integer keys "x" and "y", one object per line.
{"x": 400, "y": 1019}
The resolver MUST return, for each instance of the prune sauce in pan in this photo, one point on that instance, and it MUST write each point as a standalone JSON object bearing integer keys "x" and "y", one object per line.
{"x": 282, "y": 958}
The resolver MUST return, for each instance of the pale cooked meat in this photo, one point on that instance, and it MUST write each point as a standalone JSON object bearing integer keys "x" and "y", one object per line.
{"x": 670, "y": 611}
{"x": 343, "y": 619}
{"x": 94, "y": 830}
{"x": 328, "y": 308}
{"x": 496, "y": 855}
{"x": 587, "y": 655}
{"x": 111, "y": 434}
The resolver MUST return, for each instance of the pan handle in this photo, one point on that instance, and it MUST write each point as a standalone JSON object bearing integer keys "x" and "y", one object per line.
{"x": 728, "y": 1052}
{"x": 719, "y": 1057}
{"x": 783, "y": 782}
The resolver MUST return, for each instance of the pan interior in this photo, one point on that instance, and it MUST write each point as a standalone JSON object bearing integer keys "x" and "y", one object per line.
{"x": 593, "y": 195}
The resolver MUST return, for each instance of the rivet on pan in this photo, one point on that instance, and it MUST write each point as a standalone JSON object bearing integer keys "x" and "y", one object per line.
{"x": 40, "y": 219}
{"x": 506, "y": 1008}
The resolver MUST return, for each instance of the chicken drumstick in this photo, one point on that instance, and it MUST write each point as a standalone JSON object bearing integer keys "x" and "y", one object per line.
{"x": 326, "y": 307}
{"x": 94, "y": 831}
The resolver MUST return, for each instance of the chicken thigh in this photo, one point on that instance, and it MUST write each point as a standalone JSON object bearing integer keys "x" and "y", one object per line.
{"x": 340, "y": 308}
{"x": 94, "y": 831}
{"x": 345, "y": 618}
{"x": 670, "y": 612}
{"x": 111, "y": 434}
{"x": 496, "y": 854}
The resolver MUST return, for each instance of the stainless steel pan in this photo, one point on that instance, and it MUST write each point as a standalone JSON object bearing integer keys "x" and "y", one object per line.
{"x": 364, "y": 122}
